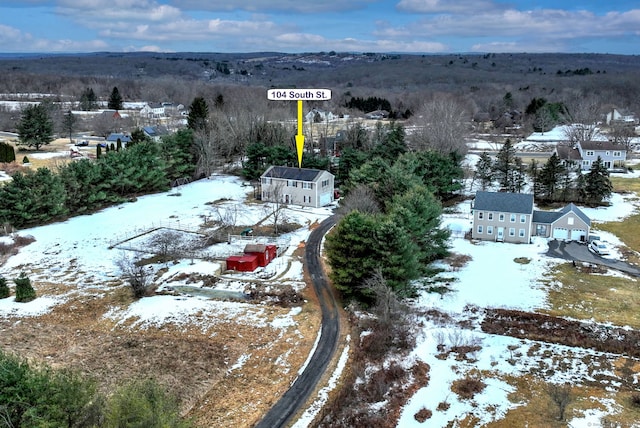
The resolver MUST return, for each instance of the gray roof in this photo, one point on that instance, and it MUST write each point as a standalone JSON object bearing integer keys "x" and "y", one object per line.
{"x": 521, "y": 203}
{"x": 291, "y": 173}
{"x": 602, "y": 145}
{"x": 549, "y": 217}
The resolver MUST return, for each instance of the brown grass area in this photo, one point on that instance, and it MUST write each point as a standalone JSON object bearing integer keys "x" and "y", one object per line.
{"x": 192, "y": 361}
{"x": 604, "y": 298}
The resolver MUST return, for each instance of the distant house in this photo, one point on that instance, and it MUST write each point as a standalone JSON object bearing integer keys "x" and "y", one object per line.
{"x": 316, "y": 115}
{"x": 510, "y": 217}
{"x": 153, "y": 110}
{"x": 585, "y": 153}
{"x": 155, "y": 133}
{"x": 620, "y": 117}
{"x": 297, "y": 186}
{"x": 111, "y": 114}
{"x": 377, "y": 114}
{"x": 114, "y": 137}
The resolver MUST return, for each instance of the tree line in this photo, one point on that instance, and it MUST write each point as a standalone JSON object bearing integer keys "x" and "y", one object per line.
{"x": 44, "y": 195}
{"x": 390, "y": 214}
{"x": 554, "y": 181}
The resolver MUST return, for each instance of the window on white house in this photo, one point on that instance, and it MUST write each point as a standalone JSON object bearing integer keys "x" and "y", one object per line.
{"x": 617, "y": 154}
{"x": 479, "y": 228}
{"x": 512, "y": 231}
{"x": 590, "y": 152}
{"x": 523, "y": 218}
{"x": 570, "y": 221}
{"x": 512, "y": 218}
{"x": 306, "y": 185}
{"x": 490, "y": 216}
{"x": 521, "y": 233}
{"x": 501, "y": 217}
{"x": 480, "y": 215}
{"x": 489, "y": 230}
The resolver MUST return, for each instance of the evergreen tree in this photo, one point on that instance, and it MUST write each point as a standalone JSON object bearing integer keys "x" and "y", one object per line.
{"x": 597, "y": 183}
{"x": 351, "y": 250}
{"x": 178, "y": 156}
{"x": 518, "y": 175}
{"x": 484, "y": 171}
{"x": 7, "y": 153}
{"x": 550, "y": 177}
{"x": 69, "y": 123}
{"x": 198, "y": 118}
{"x": 88, "y": 100}
{"x": 36, "y": 127}
{"x": 534, "y": 174}
{"x": 392, "y": 142}
{"x": 4, "y": 288}
{"x": 32, "y": 197}
{"x": 504, "y": 166}
{"x": 138, "y": 136}
{"x": 24, "y": 290}
{"x": 115, "y": 100}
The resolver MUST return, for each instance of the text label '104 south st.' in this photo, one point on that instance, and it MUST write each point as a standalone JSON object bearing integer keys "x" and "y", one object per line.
{"x": 299, "y": 94}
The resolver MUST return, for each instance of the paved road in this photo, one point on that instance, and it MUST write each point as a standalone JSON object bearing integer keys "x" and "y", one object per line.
{"x": 293, "y": 400}
{"x": 580, "y": 252}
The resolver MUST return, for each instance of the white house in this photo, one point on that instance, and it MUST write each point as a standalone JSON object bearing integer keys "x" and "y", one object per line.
{"x": 297, "y": 186}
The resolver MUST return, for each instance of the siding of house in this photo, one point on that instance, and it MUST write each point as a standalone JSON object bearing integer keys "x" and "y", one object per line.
{"x": 487, "y": 226}
{"x": 311, "y": 188}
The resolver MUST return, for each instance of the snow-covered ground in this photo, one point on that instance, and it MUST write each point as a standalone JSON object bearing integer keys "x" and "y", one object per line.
{"x": 77, "y": 251}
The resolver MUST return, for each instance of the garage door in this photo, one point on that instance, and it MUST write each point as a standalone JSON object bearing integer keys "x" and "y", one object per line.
{"x": 578, "y": 235}
{"x": 560, "y": 233}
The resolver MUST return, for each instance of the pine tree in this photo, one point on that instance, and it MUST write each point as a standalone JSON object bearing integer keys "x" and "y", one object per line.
{"x": 550, "y": 176}
{"x": 24, "y": 290}
{"x": 115, "y": 100}
{"x": 534, "y": 174}
{"x": 88, "y": 100}
{"x": 504, "y": 165}
{"x": 598, "y": 185}
{"x": 68, "y": 124}
{"x": 4, "y": 288}
{"x": 198, "y": 115}
{"x": 36, "y": 127}
{"x": 484, "y": 171}
{"x": 7, "y": 153}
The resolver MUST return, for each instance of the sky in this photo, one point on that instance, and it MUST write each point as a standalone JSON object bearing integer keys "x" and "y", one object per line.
{"x": 295, "y": 26}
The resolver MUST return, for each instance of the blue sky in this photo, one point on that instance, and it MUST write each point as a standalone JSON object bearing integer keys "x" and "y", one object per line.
{"x": 412, "y": 26}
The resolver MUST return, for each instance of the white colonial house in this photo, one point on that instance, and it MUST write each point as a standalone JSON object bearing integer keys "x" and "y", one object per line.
{"x": 585, "y": 153}
{"x": 297, "y": 186}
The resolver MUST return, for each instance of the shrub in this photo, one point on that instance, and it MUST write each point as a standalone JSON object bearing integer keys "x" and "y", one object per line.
{"x": 25, "y": 160}
{"x": 468, "y": 387}
{"x": 423, "y": 414}
{"x": 24, "y": 290}
{"x": 635, "y": 399}
{"x": 4, "y": 288}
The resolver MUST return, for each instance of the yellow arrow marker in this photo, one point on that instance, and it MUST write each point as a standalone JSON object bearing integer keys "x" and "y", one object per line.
{"x": 300, "y": 136}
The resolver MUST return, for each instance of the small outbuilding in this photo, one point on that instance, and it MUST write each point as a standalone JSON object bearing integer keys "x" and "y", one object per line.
{"x": 244, "y": 263}
{"x": 264, "y": 252}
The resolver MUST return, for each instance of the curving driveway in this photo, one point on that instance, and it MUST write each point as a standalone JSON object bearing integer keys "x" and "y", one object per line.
{"x": 296, "y": 396}
{"x": 580, "y": 252}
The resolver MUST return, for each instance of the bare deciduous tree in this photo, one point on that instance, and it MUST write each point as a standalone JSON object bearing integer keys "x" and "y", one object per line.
{"x": 137, "y": 274}
{"x": 441, "y": 124}
{"x": 584, "y": 112}
{"x": 561, "y": 395}
{"x": 360, "y": 198}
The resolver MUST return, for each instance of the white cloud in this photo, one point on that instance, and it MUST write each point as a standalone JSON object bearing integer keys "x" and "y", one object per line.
{"x": 446, "y": 6}
{"x": 125, "y": 10}
{"x": 273, "y": 5}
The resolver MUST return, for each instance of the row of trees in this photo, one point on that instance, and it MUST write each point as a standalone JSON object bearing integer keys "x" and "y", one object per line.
{"x": 551, "y": 182}
{"x": 39, "y": 396}
{"x": 43, "y": 195}
{"x": 390, "y": 223}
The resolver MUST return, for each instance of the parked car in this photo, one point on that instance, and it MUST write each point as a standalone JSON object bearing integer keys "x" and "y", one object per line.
{"x": 599, "y": 247}
{"x": 82, "y": 143}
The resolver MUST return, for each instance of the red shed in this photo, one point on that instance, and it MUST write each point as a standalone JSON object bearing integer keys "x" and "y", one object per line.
{"x": 246, "y": 263}
{"x": 265, "y": 253}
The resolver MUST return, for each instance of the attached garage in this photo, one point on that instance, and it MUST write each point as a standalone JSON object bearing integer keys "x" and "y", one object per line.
{"x": 579, "y": 235}
{"x": 560, "y": 233}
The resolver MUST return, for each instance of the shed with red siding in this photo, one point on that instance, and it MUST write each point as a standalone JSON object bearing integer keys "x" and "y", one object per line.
{"x": 265, "y": 253}
{"x": 245, "y": 263}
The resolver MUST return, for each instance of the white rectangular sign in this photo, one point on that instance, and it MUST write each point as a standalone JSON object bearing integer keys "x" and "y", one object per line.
{"x": 299, "y": 94}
